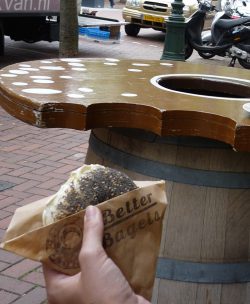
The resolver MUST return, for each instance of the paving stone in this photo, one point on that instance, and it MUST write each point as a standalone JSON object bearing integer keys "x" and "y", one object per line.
{"x": 18, "y": 286}
{"x": 35, "y": 296}
{"x": 4, "y": 214}
{"x": 21, "y": 268}
{"x": 7, "y": 297}
{"x": 8, "y": 257}
{"x": 3, "y": 266}
{"x": 2, "y": 232}
{"x": 4, "y": 223}
{"x": 9, "y": 199}
{"x": 5, "y": 185}
{"x": 35, "y": 277}
{"x": 12, "y": 179}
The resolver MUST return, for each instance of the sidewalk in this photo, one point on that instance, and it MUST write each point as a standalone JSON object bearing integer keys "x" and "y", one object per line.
{"x": 33, "y": 164}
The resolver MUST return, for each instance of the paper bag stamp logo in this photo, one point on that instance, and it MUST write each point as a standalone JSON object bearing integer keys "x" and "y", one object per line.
{"x": 64, "y": 243}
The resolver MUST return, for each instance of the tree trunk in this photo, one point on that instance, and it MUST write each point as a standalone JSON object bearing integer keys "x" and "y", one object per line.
{"x": 68, "y": 46}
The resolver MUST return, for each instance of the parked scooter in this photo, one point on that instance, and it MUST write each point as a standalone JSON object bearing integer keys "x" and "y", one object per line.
{"x": 230, "y": 37}
{"x": 209, "y": 37}
{"x": 231, "y": 10}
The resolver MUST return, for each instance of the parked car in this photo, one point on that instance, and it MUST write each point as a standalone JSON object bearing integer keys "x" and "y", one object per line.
{"x": 151, "y": 14}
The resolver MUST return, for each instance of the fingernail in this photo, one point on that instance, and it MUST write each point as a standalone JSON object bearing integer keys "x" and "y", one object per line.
{"x": 90, "y": 212}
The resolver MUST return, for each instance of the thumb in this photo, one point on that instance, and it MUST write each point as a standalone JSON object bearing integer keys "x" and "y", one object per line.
{"x": 92, "y": 235}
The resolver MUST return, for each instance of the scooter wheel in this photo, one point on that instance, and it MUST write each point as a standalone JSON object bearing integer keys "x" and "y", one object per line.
{"x": 188, "y": 51}
{"x": 244, "y": 63}
{"x": 206, "y": 55}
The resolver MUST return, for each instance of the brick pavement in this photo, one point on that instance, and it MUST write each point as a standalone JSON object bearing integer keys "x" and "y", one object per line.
{"x": 34, "y": 162}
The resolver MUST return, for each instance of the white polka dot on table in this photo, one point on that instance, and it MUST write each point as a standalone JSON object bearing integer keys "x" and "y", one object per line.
{"x": 43, "y": 81}
{"x": 40, "y": 77}
{"x": 71, "y": 60}
{"x": 134, "y": 70}
{"x": 76, "y": 95}
{"x": 25, "y": 65}
{"x": 79, "y": 69}
{"x": 52, "y": 68}
{"x": 112, "y": 59}
{"x": 46, "y": 61}
{"x": 8, "y": 75}
{"x": 167, "y": 64}
{"x": 65, "y": 77}
{"x": 29, "y": 69}
{"x": 246, "y": 107}
{"x": 76, "y": 64}
{"x": 20, "y": 83}
{"x": 140, "y": 64}
{"x": 41, "y": 91}
{"x": 18, "y": 72}
{"x": 127, "y": 94}
{"x": 85, "y": 90}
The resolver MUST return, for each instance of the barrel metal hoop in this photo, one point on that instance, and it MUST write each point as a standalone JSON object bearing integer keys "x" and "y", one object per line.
{"x": 220, "y": 273}
{"x": 217, "y": 179}
{"x": 183, "y": 141}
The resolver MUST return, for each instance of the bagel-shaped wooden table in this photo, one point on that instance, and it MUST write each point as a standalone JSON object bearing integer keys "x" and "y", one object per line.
{"x": 188, "y": 124}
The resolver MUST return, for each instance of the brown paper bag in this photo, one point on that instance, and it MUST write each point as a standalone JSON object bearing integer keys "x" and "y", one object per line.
{"x": 132, "y": 235}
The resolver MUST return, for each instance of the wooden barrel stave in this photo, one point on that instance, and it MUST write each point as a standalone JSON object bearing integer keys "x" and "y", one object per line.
{"x": 204, "y": 223}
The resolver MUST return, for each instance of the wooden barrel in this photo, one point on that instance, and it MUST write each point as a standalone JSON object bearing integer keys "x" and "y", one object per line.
{"x": 205, "y": 249}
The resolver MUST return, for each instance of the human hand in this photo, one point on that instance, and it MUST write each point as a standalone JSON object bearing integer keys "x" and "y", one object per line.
{"x": 100, "y": 280}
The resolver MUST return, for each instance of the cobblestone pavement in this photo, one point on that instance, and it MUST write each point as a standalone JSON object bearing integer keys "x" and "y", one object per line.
{"x": 34, "y": 162}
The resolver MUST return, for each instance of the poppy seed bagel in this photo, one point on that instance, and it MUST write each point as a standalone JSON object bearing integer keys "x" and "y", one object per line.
{"x": 88, "y": 185}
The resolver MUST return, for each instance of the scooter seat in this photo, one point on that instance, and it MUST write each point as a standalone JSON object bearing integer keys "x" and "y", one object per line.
{"x": 226, "y": 24}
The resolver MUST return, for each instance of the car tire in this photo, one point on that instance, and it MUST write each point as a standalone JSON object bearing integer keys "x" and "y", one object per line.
{"x": 132, "y": 29}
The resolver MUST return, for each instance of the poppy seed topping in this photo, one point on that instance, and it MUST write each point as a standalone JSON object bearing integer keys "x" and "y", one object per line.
{"x": 88, "y": 185}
